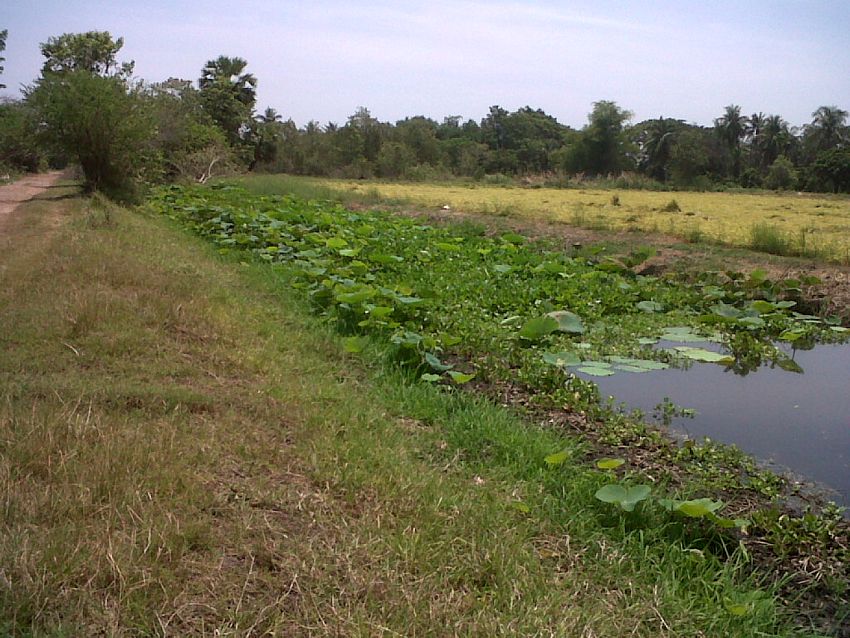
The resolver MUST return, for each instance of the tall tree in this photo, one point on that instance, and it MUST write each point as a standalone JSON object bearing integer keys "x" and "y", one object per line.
{"x": 776, "y": 139}
{"x": 655, "y": 141}
{"x": 89, "y": 112}
{"x": 266, "y": 135}
{"x": 94, "y": 51}
{"x": 228, "y": 95}
{"x": 603, "y": 138}
{"x": 270, "y": 116}
{"x": 3, "y": 34}
{"x": 731, "y": 127}
{"x": 828, "y": 129}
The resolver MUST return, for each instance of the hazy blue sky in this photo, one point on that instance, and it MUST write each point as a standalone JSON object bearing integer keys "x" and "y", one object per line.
{"x": 320, "y": 60}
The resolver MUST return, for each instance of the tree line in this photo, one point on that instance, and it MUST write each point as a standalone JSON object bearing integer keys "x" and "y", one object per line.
{"x": 87, "y": 109}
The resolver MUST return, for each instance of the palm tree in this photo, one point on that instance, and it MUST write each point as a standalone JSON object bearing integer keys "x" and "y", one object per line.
{"x": 3, "y": 35}
{"x": 228, "y": 95}
{"x": 755, "y": 124}
{"x": 270, "y": 116}
{"x": 828, "y": 129}
{"x": 731, "y": 127}
{"x": 753, "y": 136}
{"x": 777, "y": 139}
{"x": 657, "y": 143}
{"x": 228, "y": 72}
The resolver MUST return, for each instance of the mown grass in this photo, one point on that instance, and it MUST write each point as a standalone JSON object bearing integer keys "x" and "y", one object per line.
{"x": 184, "y": 451}
{"x": 726, "y": 218}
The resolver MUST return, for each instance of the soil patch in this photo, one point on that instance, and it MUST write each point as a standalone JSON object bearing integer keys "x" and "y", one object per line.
{"x": 23, "y": 190}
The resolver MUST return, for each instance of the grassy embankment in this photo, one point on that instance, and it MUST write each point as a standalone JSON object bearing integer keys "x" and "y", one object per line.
{"x": 184, "y": 451}
{"x": 785, "y": 224}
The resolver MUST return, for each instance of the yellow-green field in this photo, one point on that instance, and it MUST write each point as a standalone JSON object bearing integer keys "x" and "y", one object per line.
{"x": 817, "y": 225}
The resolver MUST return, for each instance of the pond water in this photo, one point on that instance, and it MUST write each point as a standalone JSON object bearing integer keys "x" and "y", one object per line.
{"x": 800, "y": 421}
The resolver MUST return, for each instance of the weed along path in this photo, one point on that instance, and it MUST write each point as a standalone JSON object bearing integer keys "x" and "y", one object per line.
{"x": 24, "y": 189}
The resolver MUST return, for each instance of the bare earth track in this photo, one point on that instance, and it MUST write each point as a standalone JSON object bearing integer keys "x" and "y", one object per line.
{"x": 24, "y": 189}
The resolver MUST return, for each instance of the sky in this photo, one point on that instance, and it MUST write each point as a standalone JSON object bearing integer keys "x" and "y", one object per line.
{"x": 320, "y": 60}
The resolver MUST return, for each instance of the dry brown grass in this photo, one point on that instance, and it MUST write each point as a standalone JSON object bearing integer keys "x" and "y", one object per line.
{"x": 144, "y": 465}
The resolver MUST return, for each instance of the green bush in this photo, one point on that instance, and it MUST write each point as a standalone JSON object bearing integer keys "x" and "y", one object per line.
{"x": 769, "y": 239}
{"x": 101, "y": 124}
{"x": 781, "y": 175}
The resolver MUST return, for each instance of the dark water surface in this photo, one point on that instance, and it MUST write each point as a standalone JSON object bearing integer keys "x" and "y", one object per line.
{"x": 799, "y": 421}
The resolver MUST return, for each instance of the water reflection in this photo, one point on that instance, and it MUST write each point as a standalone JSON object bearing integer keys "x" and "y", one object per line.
{"x": 794, "y": 411}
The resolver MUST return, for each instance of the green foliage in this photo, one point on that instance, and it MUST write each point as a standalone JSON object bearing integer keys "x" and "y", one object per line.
{"x": 831, "y": 170}
{"x": 188, "y": 145}
{"x": 626, "y": 498}
{"x": 19, "y": 149}
{"x": 538, "y": 327}
{"x": 100, "y": 123}
{"x": 93, "y": 52}
{"x": 609, "y": 464}
{"x": 568, "y": 322}
{"x": 768, "y": 238}
{"x": 702, "y": 508}
{"x": 781, "y": 175}
{"x": 228, "y": 95}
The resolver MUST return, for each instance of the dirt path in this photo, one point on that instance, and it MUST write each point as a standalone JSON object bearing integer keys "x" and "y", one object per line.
{"x": 24, "y": 189}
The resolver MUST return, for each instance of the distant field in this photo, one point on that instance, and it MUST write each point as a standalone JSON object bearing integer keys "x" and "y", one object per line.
{"x": 813, "y": 225}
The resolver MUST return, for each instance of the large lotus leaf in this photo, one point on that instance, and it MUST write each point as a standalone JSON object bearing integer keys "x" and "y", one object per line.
{"x": 355, "y": 297}
{"x": 596, "y": 371}
{"x": 385, "y": 259}
{"x": 513, "y": 238}
{"x": 336, "y": 242}
{"x": 539, "y": 327}
{"x": 685, "y": 334}
{"x": 461, "y": 377}
{"x": 625, "y": 497}
{"x": 355, "y": 344}
{"x": 645, "y": 365}
{"x": 436, "y": 364}
{"x": 609, "y": 464}
{"x": 611, "y": 493}
{"x": 558, "y": 458}
{"x": 624, "y": 367}
{"x": 700, "y": 354}
{"x": 762, "y": 307}
{"x": 695, "y": 508}
{"x": 567, "y": 321}
{"x": 752, "y": 322}
{"x": 561, "y": 359}
{"x": 381, "y": 311}
{"x": 726, "y": 311}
